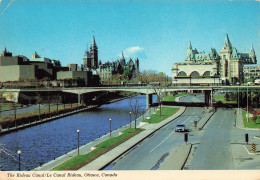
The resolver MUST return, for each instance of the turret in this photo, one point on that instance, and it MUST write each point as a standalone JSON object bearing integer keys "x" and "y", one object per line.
{"x": 227, "y": 44}
{"x": 189, "y": 50}
{"x": 94, "y": 45}
{"x": 252, "y": 55}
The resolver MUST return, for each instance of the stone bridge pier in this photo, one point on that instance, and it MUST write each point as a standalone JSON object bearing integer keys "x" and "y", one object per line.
{"x": 208, "y": 94}
{"x": 149, "y": 100}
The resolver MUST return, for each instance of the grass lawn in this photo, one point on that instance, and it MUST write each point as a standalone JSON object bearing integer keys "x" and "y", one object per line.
{"x": 8, "y": 106}
{"x": 222, "y": 99}
{"x": 36, "y": 112}
{"x": 250, "y": 123}
{"x": 166, "y": 112}
{"x": 77, "y": 162}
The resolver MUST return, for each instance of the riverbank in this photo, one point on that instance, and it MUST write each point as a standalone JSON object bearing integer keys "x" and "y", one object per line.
{"x": 44, "y": 120}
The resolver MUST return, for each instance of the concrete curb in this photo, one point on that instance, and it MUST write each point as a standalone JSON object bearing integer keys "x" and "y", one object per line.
{"x": 249, "y": 129}
{"x": 207, "y": 120}
{"x": 186, "y": 157}
{"x": 250, "y": 152}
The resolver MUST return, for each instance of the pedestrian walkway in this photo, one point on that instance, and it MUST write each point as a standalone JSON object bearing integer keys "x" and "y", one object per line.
{"x": 105, "y": 159}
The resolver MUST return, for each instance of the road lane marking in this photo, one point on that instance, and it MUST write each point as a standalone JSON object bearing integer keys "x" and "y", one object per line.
{"x": 162, "y": 142}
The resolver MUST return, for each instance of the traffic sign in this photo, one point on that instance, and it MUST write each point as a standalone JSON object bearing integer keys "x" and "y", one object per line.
{"x": 253, "y": 147}
{"x": 246, "y": 138}
{"x": 186, "y": 137}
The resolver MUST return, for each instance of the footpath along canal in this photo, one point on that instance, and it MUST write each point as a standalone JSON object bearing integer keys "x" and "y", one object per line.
{"x": 42, "y": 143}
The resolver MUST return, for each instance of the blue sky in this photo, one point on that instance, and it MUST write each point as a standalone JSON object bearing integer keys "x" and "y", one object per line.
{"x": 158, "y": 32}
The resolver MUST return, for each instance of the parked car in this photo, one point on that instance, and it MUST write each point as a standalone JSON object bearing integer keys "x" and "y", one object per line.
{"x": 180, "y": 128}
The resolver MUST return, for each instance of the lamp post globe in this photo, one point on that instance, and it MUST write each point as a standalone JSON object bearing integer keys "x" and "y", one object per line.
{"x": 130, "y": 118}
{"x": 19, "y": 152}
{"x": 110, "y": 125}
{"x": 78, "y": 139}
{"x": 143, "y": 113}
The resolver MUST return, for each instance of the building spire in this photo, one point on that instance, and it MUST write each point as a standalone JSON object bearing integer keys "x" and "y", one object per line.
{"x": 252, "y": 51}
{"x": 123, "y": 57}
{"x": 94, "y": 45}
{"x": 190, "y": 47}
{"x": 227, "y": 42}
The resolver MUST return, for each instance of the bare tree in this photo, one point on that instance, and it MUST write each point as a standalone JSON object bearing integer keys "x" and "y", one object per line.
{"x": 57, "y": 102}
{"x": 159, "y": 90}
{"x": 134, "y": 105}
{"x": 49, "y": 103}
{"x": 38, "y": 101}
{"x": 1, "y": 101}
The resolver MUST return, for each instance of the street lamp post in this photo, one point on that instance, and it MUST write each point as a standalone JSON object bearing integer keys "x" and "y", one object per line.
{"x": 78, "y": 140}
{"x": 143, "y": 113}
{"x": 130, "y": 118}
{"x": 247, "y": 102}
{"x": 110, "y": 125}
{"x": 19, "y": 152}
{"x": 238, "y": 101}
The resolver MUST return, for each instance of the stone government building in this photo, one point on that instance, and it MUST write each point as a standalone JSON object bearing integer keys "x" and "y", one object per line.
{"x": 107, "y": 69}
{"x": 213, "y": 68}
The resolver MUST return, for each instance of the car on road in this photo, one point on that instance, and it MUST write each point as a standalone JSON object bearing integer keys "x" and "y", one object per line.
{"x": 180, "y": 128}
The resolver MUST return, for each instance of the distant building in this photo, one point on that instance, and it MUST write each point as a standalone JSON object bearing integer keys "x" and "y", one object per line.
{"x": 15, "y": 68}
{"x": 73, "y": 67}
{"x": 106, "y": 70}
{"x": 45, "y": 67}
{"x": 252, "y": 71}
{"x": 211, "y": 67}
{"x": 121, "y": 67}
{"x": 90, "y": 59}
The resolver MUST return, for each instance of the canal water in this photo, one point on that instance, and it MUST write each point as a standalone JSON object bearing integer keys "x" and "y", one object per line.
{"x": 42, "y": 143}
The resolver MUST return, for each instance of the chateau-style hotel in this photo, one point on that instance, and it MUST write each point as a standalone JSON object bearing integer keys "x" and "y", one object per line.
{"x": 213, "y": 68}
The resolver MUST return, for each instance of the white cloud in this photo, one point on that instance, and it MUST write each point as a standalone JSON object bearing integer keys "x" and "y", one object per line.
{"x": 134, "y": 52}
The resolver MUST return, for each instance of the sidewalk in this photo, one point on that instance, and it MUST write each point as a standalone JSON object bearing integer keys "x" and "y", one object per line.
{"x": 105, "y": 159}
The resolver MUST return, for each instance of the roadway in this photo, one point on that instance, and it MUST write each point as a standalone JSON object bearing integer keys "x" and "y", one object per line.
{"x": 147, "y": 155}
{"x": 214, "y": 150}
{"x": 218, "y": 146}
